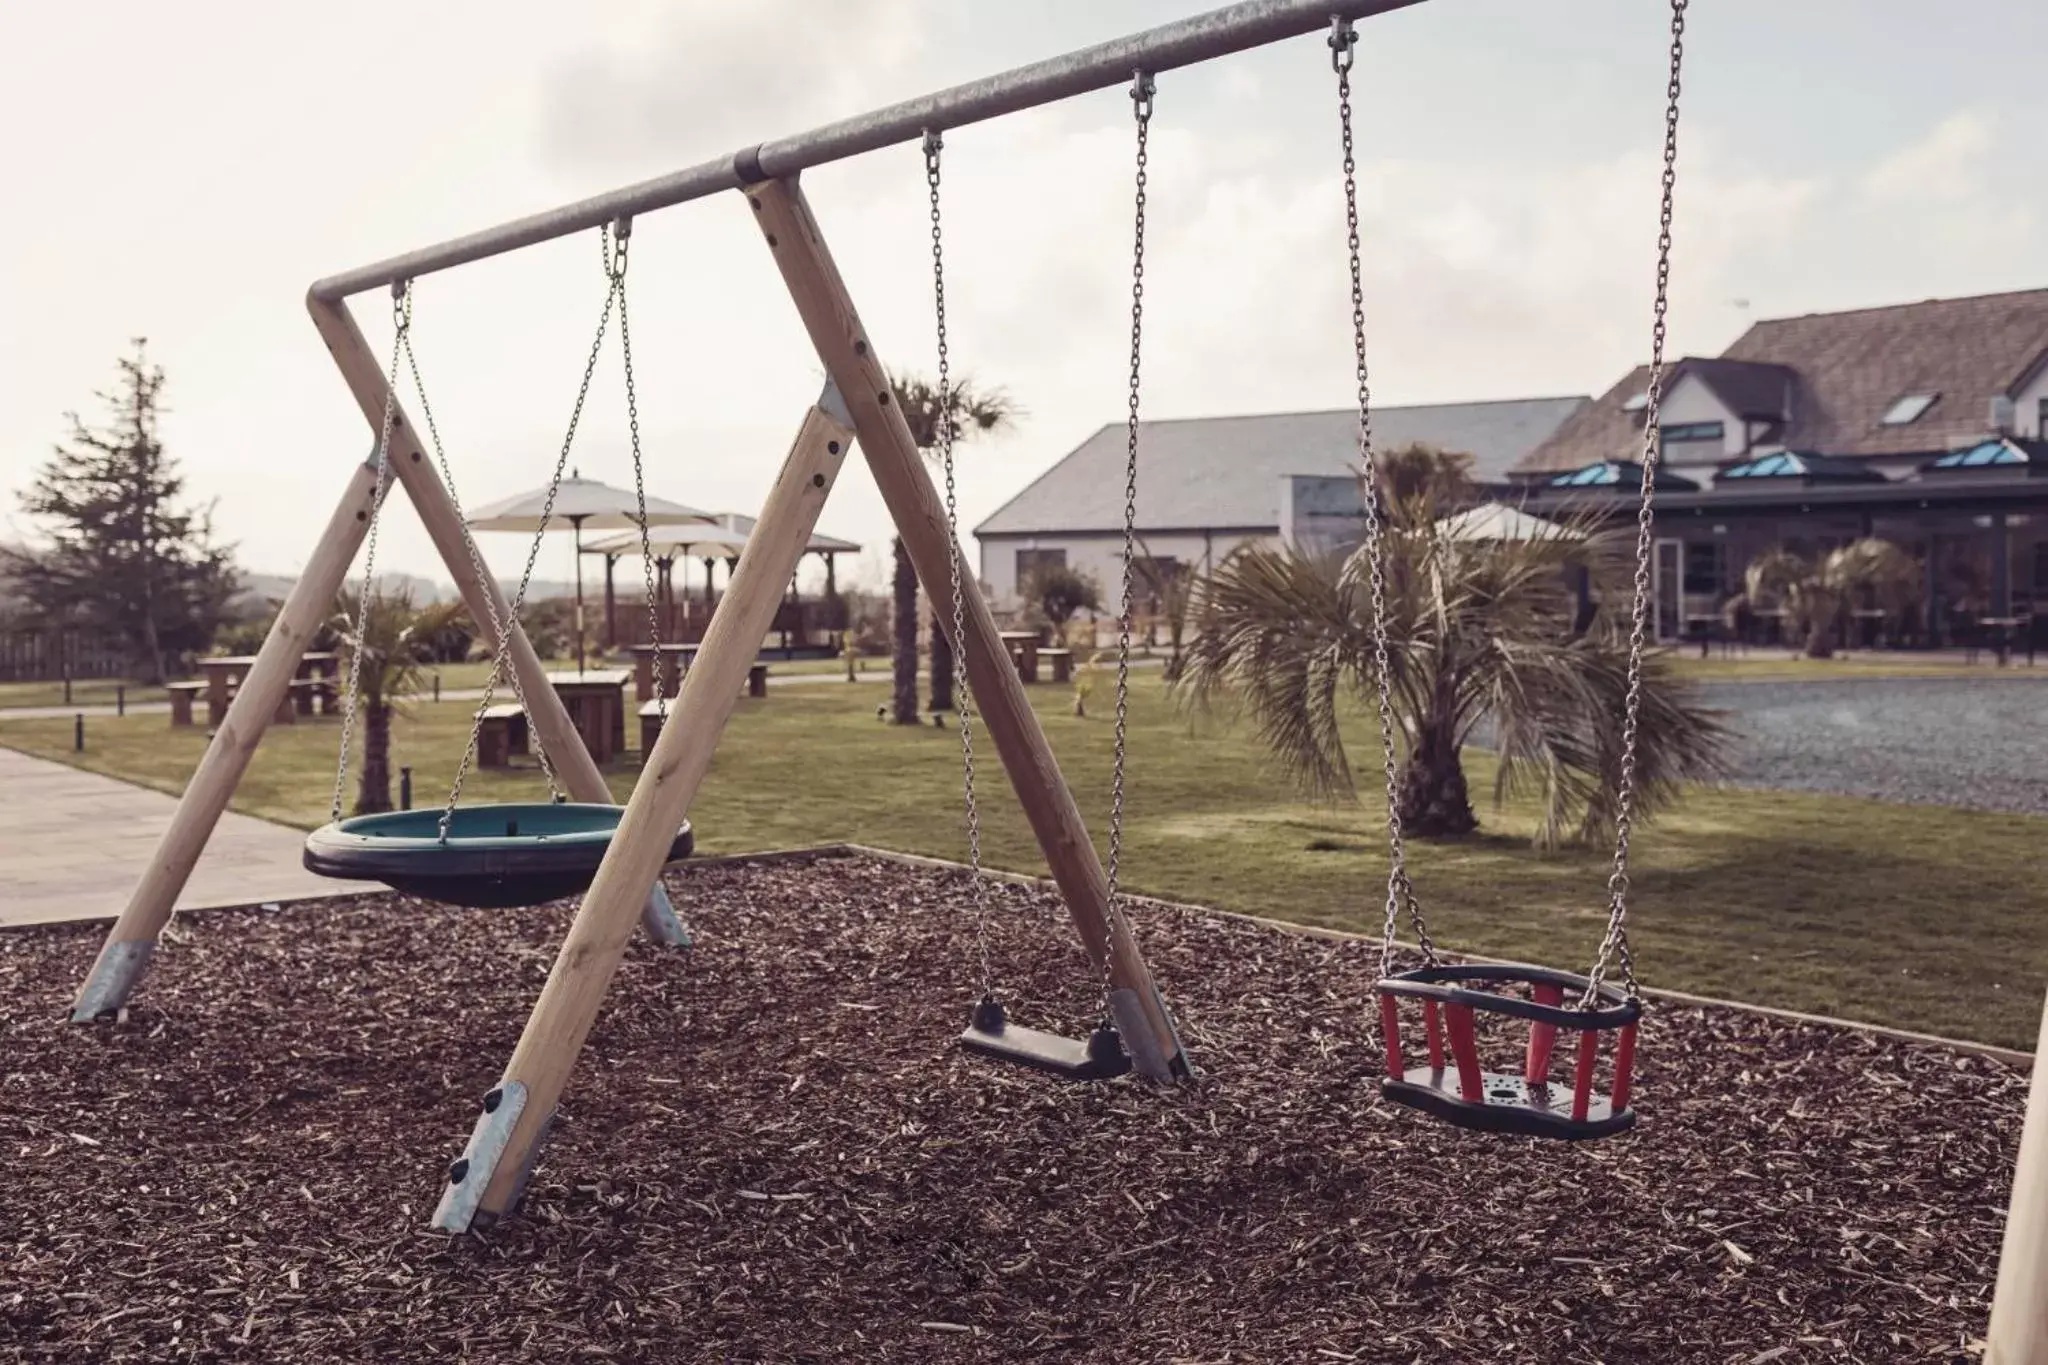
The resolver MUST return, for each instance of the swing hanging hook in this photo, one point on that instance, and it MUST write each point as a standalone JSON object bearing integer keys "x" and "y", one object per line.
{"x": 1142, "y": 90}
{"x": 615, "y": 255}
{"x": 401, "y": 305}
{"x": 1343, "y": 43}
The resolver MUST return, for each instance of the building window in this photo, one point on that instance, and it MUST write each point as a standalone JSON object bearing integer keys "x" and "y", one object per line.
{"x": 1703, "y": 561}
{"x": 1029, "y": 562}
{"x": 1692, "y": 431}
{"x": 1908, "y": 410}
{"x": 2041, "y": 420}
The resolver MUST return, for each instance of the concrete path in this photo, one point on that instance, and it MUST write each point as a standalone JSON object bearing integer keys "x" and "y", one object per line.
{"x": 73, "y": 845}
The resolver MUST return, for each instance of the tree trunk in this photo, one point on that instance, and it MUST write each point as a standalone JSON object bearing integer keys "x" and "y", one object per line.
{"x": 1433, "y": 801}
{"x": 1820, "y": 639}
{"x": 152, "y": 651}
{"x": 373, "y": 788}
{"x": 942, "y": 667}
{"x": 904, "y": 655}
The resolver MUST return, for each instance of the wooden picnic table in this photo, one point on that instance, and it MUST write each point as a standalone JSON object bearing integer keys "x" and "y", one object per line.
{"x": 596, "y": 701}
{"x": 1023, "y": 648}
{"x": 224, "y": 673}
{"x": 677, "y": 657}
{"x": 2002, "y": 628}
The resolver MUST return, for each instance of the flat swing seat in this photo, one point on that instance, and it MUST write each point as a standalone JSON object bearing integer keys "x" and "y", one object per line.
{"x": 1098, "y": 1057}
{"x": 1528, "y": 1102}
{"x": 495, "y": 856}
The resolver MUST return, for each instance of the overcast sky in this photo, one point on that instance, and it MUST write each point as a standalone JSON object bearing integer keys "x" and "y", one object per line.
{"x": 183, "y": 171}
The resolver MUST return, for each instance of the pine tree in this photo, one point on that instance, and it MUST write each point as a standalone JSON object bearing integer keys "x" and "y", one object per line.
{"x": 125, "y": 555}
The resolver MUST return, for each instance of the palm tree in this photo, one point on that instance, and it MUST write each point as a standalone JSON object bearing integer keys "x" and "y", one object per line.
{"x": 1817, "y": 594}
{"x": 1480, "y": 644}
{"x": 967, "y": 412}
{"x": 394, "y": 639}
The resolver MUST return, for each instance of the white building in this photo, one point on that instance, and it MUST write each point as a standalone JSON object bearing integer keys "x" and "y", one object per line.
{"x": 1208, "y": 485}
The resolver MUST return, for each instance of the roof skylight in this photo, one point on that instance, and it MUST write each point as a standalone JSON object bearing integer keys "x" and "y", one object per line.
{"x": 1908, "y": 409}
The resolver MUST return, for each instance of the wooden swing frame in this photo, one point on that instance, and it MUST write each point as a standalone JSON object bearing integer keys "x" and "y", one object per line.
{"x": 487, "y": 1182}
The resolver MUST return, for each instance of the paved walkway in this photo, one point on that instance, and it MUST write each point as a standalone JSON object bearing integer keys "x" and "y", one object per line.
{"x": 74, "y": 844}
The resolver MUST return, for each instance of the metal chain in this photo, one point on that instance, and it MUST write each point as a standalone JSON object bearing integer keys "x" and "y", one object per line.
{"x": 476, "y": 560}
{"x": 401, "y": 321}
{"x": 934, "y": 144}
{"x": 1400, "y": 891}
{"x": 615, "y": 266}
{"x": 547, "y": 513}
{"x": 1141, "y": 105}
{"x": 1614, "y": 946}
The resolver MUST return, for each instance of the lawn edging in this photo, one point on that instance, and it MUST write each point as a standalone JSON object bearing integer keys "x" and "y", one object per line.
{"x": 2006, "y": 1055}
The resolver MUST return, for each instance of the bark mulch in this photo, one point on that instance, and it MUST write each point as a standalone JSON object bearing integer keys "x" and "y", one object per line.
{"x": 773, "y": 1152}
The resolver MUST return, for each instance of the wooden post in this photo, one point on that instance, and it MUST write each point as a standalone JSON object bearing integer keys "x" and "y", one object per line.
{"x": 660, "y": 802}
{"x": 849, "y": 357}
{"x": 2019, "y": 1306}
{"x": 125, "y": 955}
{"x": 410, "y": 465}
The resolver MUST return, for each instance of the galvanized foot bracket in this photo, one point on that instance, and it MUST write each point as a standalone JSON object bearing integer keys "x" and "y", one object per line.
{"x": 469, "y": 1175}
{"x": 113, "y": 977}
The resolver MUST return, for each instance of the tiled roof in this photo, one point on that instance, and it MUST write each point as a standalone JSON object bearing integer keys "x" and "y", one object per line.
{"x": 1849, "y": 368}
{"x": 1215, "y": 472}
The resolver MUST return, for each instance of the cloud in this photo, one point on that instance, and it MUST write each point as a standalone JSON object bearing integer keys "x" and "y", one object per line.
{"x": 1948, "y": 163}
{"x": 701, "y": 78}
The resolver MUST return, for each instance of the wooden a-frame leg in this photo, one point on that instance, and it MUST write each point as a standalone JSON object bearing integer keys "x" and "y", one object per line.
{"x": 486, "y": 1181}
{"x": 849, "y": 357}
{"x": 125, "y": 955}
{"x": 412, "y": 467}
{"x": 2019, "y": 1306}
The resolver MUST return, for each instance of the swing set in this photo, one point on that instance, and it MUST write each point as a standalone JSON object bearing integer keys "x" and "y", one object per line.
{"x": 497, "y": 855}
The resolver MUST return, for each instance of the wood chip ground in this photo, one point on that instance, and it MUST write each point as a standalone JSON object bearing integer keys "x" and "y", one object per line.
{"x": 772, "y": 1151}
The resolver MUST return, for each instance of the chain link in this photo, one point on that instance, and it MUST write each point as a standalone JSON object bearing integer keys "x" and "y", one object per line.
{"x": 1141, "y": 106}
{"x": 934, "y": 144}
{"x": 401, "y": 323}
{"x": 476, "y": 561}
{"x": 1400, "y": 891}
{"x": 547, "y": 513}
{"x": 622, "y": 233}
{"x": 1614, "y": 946}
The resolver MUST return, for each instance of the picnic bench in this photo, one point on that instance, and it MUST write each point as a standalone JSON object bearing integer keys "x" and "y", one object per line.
{"x": 1022, "y": 646}
{"x": 182, "y": 695}
{"x": 502, "y": 735}
{"x": 1061, "y": 663}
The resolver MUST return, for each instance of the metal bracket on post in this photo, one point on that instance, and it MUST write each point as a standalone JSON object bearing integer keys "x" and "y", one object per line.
{"x": 113, "y": 977}
{"x": 1136, "y": 1029}
{"x": 659, "y": 920}
{"x": 470, "y": 1173}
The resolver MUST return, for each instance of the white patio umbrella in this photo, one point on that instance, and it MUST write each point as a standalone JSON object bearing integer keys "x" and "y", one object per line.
{"x": 1498, "y": 521}
{"x": 580, "y": 503}
{"x": 708, "y": 540}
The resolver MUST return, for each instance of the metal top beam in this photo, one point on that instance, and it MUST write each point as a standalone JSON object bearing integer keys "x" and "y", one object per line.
{"x": 1185, "y": 42}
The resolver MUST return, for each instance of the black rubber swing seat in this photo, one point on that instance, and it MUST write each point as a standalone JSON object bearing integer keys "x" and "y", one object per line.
{"x": 494, "y": 856}
{"x": 1098, "y": 1057}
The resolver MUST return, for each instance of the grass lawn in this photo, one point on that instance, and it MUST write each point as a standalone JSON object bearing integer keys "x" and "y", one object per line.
{"x": 1914, "y": 916}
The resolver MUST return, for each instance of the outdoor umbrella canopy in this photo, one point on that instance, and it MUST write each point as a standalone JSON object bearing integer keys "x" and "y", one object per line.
{"x": 1498, "y": 521}
{"x": 581, "y": 502}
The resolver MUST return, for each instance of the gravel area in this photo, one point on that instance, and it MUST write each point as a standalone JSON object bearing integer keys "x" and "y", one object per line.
{"x": 1926, "y": 741}
{"x": 773, "y": 1152}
